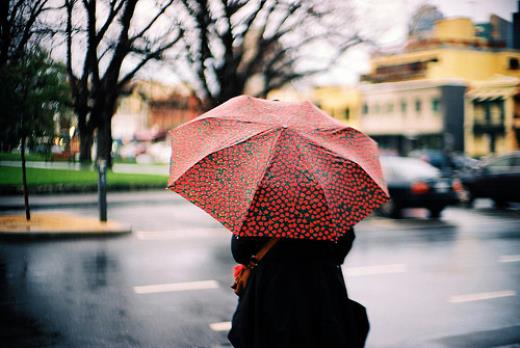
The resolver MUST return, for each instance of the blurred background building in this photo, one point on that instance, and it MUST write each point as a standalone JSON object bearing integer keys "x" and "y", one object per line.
{"x": 145, "y": 113}
{"x": 454, "y": 86}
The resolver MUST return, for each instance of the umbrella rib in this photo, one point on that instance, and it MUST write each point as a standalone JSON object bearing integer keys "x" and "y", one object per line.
{"x": 202, "y": 118}
{"x": 332, "y": 152}
{"x": 319, "y": 184}
{"x": 261, "y": 177}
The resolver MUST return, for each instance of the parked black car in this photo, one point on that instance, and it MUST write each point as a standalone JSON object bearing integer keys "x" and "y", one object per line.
{"x": 414, "y": 183}
{"x": 497, "y": 178}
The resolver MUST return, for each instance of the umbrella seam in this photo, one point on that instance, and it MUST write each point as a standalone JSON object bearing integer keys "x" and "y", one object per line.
{"x": 343, "y": 157}
{"x": 267, "y": 166}
{"x": 202, "y": 118}
{"x": 320, "y": 185}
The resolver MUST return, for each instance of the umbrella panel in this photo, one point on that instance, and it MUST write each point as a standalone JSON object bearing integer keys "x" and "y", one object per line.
{"x": 280, "y": 184}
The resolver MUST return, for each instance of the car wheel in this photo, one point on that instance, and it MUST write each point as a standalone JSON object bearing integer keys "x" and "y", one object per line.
{"x": 435, "y": 213}
{"x": 390, "y": 209}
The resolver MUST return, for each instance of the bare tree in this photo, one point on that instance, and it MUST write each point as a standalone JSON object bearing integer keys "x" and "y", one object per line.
{"x": 19, "y": 25}
{"x": 229, "y": 44}
{"x": 107, "y": 43}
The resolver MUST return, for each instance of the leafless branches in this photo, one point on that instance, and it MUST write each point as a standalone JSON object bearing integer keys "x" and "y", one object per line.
{"x": 19, "y": 25}
{"x": 229, "y": 42}
{"x": 106, "y": 46}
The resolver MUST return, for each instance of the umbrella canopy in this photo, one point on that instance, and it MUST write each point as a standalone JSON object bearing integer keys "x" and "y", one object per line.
{"x": 276, "y": 169}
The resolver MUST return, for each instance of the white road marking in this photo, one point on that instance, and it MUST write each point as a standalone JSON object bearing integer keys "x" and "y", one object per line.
{"x": 189, "y": 233}
{"x": 509, "y": 258}
{"x": 222, "y": 326}
{"x": 376, "y": 269}
{"x": 158, "y": 288}
{"x": 481, "y": 296}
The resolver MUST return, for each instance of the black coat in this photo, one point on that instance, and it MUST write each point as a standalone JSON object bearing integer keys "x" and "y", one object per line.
{"x": 295, "y": 297}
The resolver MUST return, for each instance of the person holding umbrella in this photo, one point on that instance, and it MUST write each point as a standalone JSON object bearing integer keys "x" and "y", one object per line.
{"x": 290, "y": 182}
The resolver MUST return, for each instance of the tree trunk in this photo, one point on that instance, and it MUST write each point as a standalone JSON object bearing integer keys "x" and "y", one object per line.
{"x": 86, "y": 139}
{"x": 104, "y": 140}
{"x": 24, "y": 182}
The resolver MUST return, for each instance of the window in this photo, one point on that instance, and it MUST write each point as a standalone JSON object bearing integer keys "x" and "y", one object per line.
{"x": 514, "y": 64}
{"x": 346, "y": 113}
{"x": 365, "y": 108}
{"x": 403, "y": 106}
{"x": 418, "y": 105}
{"x": 390, "y": 107}
{"x": 436, "y": 105}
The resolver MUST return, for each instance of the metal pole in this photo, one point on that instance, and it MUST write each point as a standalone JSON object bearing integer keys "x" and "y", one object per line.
{"x": 24, "y": 183}
{"x": 102, "y": 190}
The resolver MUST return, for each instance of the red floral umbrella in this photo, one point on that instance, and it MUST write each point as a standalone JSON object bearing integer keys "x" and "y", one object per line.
{"x": 276, "y": 169}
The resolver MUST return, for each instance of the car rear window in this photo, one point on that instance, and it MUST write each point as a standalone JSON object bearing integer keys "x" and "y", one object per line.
{"x": 399, "y": 168}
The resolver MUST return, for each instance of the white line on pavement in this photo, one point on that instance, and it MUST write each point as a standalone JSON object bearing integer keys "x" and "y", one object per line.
{"x": 509, "y": 258}
{"x": 222, "y": 326}
{"x": 481, "y": 296}
{"x": 179, "y": 234}
{"x": 376, "y": 269}
{"x": 158, "y": 288}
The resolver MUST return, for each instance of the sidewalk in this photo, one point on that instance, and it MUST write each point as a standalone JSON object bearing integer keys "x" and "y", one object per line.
{"x": 87, "y": 199}
{"x": 57, "y": 224}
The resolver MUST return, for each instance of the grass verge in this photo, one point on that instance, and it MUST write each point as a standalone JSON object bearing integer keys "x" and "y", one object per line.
{"x": 61, "y": 180}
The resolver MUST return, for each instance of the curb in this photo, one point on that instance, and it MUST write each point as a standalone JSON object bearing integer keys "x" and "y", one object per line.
{"x": 58, "y": 225}
{"x": 43, "y": 235}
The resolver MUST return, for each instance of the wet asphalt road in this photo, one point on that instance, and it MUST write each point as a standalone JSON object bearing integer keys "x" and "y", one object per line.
{"x": 448, "y": 283}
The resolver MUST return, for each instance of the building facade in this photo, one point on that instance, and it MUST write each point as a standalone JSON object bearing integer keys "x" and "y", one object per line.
{"x": 429, "y": 94}
{"x": 149, "y": 105}
{"x": 402, "y": 116}
{"x": 343, "y": 103}
{"x": 492, "y": 122}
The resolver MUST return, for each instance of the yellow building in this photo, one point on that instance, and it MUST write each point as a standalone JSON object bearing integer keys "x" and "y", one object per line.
{"x": 342, "y": 103}
{"x": 456, "y": 50}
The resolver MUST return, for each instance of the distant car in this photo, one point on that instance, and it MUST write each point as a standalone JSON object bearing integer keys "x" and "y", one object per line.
{"x": 497, "y": 178}
{"x": 414, "y": 183}
{"x": 448, "y": 163}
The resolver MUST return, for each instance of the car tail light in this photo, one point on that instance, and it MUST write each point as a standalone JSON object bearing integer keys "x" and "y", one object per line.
{"x": 457, "y": 186}
{"x": 420, "y": 187}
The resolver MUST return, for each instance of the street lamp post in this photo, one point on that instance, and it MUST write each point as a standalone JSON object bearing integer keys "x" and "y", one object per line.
{"x": 102, "y": 189}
